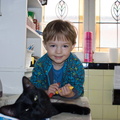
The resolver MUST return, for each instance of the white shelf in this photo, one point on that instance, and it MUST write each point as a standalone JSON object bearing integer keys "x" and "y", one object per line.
{"x": 34, "y": 4}
{"x": 16, "y": 69}
{"x": 32, "y": 33}
{"x": 29, "y": 69}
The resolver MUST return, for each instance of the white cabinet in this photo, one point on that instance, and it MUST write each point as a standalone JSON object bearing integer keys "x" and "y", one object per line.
{"x": 15, "y": 37}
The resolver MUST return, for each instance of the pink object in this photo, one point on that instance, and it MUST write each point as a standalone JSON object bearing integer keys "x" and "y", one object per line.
{"x": 88, "y": 55}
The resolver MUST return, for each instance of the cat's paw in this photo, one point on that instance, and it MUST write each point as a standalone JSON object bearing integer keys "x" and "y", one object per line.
{"x": 81, "y": 110}
{"x": 86, "y": 111}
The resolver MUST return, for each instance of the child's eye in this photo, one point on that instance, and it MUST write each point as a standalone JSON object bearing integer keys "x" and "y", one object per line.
{"x": 52, "y": 45}
{"x": 65, "y": 46}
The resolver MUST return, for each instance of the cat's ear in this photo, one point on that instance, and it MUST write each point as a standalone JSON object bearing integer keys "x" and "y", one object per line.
{"x": 8, "y": 110}
{"x": 27, "y": 84}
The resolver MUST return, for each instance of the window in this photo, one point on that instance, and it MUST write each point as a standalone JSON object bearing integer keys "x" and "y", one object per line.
{"x": 107, "y": 24}
{"x": 97, "y": 16}
{"x": 71, "y": 10}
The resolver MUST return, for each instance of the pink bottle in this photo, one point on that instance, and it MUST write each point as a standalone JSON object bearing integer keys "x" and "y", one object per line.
{"x": 88, "y": 55}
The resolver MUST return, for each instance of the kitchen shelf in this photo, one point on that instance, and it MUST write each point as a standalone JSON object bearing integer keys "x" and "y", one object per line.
{"x": 32, "y": 33}
{"x": 34, "y": 4}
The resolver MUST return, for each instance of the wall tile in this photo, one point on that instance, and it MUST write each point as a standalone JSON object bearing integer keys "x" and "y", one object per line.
{"x": 95, "y": 82}
{"x": 95, "y": 97}
{"x": 118, "y": 112}
{"x": 95, "y": 72}
{"x": 86, "y": 71}
{"x": 86, "y": 83}
{"x": 86, "y": 93}
{"x": 110, "y": 112}
{"x": 109, "y": 72}
{"x": 107, "y": 97}
{"x": 96, "y": 111}
{"x": 108, "y": 83}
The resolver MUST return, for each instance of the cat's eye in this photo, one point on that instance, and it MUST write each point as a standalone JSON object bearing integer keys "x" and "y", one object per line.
{"x": 35, "y": 98}
{"x": 26, "y": 109}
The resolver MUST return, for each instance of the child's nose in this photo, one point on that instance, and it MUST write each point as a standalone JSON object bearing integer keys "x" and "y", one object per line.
{"x": 58, "y": 50}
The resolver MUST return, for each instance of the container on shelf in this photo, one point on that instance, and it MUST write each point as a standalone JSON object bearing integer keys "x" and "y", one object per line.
{"x": 31, "y": 14}
{"x": 28, "y": 58}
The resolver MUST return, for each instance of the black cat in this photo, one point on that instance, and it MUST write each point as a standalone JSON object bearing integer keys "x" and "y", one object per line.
{"x": 34, "y": 104}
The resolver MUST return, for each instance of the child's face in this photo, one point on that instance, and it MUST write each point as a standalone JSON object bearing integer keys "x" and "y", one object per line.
{"x": 59, "y": 50}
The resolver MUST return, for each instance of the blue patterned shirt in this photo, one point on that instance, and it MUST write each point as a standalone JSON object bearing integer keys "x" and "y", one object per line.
{"x": 73, "y": 73}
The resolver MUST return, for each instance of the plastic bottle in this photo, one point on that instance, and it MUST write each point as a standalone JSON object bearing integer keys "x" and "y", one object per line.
{"x": 88, "y": 54}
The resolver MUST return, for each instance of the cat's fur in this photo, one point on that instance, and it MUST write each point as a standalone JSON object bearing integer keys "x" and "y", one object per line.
{"x": 34, "y": 104}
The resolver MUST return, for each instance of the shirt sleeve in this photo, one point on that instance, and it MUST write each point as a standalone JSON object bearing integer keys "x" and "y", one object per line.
{"x": 38, "y": 78}
{"x": 75, "y": 76}
{"x": 78, "y": 77}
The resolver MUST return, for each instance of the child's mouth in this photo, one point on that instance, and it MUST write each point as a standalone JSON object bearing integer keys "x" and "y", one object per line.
{"x": 58, "y": 57}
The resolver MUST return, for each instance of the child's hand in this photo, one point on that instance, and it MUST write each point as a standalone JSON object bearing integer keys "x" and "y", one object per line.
{"x": 53, "y": 88}
{"x": 65, "y": 91}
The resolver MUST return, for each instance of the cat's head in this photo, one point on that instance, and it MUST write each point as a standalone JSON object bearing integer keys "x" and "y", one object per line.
{"x": 33, "y": 104}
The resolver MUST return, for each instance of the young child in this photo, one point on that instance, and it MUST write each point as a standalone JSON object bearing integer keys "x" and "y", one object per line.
{"x": 59, "y": 69}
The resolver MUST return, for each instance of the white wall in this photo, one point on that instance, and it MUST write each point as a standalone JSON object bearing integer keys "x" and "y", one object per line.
{"x": 99, "y": 57}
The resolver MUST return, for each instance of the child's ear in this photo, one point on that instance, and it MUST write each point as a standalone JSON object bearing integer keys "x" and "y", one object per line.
{"x": 73, "y": 46}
